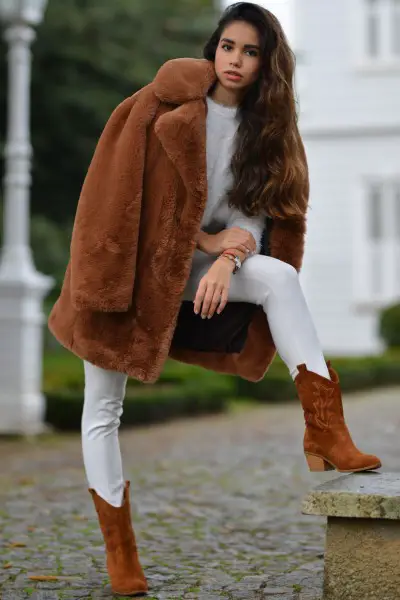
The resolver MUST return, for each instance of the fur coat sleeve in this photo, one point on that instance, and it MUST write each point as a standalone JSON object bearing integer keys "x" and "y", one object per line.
{"x": 287, "y": 240}
{"x": 106, "y": 227}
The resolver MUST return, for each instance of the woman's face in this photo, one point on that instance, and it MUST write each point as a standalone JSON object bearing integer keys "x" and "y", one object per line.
{"x": 238, "y": 50}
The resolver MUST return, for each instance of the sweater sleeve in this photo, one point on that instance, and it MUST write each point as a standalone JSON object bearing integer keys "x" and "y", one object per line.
{"x": 255, "y": 225}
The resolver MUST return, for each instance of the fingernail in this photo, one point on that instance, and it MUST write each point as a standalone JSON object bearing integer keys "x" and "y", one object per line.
{"x": 209, "y": 316}
{"x": 203, "y": 316}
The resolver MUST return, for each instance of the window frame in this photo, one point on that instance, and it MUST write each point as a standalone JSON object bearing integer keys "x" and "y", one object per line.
{"x": 387, "y": 60}
{"x": 365, "y": 245}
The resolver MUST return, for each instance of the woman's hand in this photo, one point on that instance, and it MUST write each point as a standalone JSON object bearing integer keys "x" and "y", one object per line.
{"x": 213, "y": 288}
{"x": 234, "y": 237}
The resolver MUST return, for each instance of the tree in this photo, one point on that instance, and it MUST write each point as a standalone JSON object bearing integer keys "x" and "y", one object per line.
{"x": 89, "y": 56}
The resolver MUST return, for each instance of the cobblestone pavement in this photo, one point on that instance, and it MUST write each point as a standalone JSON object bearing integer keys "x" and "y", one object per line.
{"x": 216, "y": 506}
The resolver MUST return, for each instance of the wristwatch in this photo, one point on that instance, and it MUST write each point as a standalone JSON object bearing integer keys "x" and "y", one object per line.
{"x": 238, "y": 264}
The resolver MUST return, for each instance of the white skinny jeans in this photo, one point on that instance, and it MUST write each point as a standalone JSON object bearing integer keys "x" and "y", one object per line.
{"x": 262, "y": 280}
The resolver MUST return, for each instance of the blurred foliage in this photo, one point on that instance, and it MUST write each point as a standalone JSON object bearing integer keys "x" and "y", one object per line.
{"x": 89, "y": 55}
{"x": 147, "y": 406}
{"x": 63, "y": 370}
{"x": 355, "y": 373}
{"x": 389, "y": 326}
{"x": 184, "y": 390}
{"x": 50, "y": 244}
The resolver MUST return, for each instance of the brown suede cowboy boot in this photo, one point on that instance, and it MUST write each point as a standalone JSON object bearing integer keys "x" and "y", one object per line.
{"x": 327, "y": 441}
{"x": 126, "y": 574}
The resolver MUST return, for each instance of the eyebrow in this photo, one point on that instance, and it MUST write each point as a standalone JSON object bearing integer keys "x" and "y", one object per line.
{"x": 246, "y": 45}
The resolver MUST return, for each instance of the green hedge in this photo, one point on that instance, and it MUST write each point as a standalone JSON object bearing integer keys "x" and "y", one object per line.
{"x": 389, "y": 326}
{"x": 184, "y": 390}
{"x": 64, "y": 370}
{"x": 354, "y": 374}
{"x": 64, "y": 407}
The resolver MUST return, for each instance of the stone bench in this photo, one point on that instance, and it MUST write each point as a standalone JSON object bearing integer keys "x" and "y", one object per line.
{"x": 362, "y": 548}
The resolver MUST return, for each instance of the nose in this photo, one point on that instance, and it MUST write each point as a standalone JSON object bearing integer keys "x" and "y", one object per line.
{"x": 236, "y": 59}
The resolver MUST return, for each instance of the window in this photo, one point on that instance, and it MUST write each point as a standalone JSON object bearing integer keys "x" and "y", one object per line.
{"x": 375, "y": 212}
{"x": 373, "y": 36}
{"x": 377, "y": 242}
{"x": 397, "y": 212}
{"x": 395, "y": 37}
{"x": 376, "y": 237}
{"x": 381, "y": 31}
{"x": 397, "y": 230}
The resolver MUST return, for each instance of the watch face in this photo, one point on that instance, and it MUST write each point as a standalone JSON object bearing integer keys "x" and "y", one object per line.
{"x": 238, "y": 264}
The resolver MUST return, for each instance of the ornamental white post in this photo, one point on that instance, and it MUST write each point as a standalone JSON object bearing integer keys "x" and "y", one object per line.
{"x": 22, "y": 288}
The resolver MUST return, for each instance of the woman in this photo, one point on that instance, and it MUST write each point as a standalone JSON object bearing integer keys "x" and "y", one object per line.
{"x": 194, "y": 206}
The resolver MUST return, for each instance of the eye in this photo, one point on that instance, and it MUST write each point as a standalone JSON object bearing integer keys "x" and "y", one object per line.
{"x": 226, "y": 46}
{"x": 252, "y": 52}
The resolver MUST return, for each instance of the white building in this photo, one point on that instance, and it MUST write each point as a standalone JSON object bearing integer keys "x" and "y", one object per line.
{"x": 348, "y": 81}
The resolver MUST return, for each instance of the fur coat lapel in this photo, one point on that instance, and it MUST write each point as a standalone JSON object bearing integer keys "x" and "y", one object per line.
{"x": 182, "y": 133}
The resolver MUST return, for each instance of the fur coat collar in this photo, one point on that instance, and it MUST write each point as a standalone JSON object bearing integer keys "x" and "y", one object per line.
{"x": 182, "y": 80}
{"x": 132, "y": 245}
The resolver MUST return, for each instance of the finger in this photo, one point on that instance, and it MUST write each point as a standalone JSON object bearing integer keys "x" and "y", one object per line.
{"x": 245, "y": 249}
{"x": 252, "y": 243}
{"x": 248, "y": 241}
{"x": 207, "y": 299}
{"x": 249, "y": 244}
{"x": 224, "y": 300}
{"x": 244, "y": 235}
{"x": 240, "y": 247}
{"x": 245, "y": 238}
{"x": 199, "y": 297}
{"x": 215, "y": 301}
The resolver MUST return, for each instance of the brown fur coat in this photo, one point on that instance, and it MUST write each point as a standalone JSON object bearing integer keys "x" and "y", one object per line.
{"x": 133, "y": 240}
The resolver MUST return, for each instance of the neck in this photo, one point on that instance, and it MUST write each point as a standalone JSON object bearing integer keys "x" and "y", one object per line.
{"x": 224, "y": 96}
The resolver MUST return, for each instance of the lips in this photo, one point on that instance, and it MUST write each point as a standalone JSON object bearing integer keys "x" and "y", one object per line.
{"x": 235, "y": 73}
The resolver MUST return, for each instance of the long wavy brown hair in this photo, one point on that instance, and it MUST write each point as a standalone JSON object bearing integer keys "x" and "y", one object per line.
{"x": 269, "y": 163}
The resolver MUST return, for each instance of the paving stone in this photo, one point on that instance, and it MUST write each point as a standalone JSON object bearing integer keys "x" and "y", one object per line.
{"x": 216, "y": 506}
{"x": 273, "y": 591}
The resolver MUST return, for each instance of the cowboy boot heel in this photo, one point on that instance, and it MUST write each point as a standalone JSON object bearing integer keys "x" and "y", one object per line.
{"x": 316, "y": 463}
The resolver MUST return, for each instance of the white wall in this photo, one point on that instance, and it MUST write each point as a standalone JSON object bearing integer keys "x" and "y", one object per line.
{"x": 339, "y": 90}
{"x": 337, "y": 169}
{"x": 350, "y": 123}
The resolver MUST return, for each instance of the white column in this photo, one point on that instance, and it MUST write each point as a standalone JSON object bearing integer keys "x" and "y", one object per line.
{"x": 22, "y": 288}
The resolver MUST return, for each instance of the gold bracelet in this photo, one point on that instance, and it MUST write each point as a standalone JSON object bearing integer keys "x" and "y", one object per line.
{"x": 228, "y": 256}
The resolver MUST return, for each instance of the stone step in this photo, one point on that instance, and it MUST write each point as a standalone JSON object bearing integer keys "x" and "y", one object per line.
{"x": 362, "y": 553}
